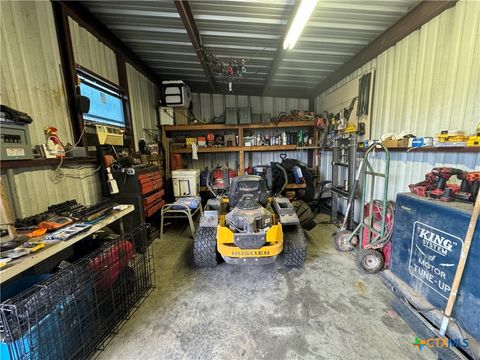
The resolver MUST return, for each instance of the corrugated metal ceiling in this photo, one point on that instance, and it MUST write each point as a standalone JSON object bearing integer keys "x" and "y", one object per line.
{"x": 251, "y": 30}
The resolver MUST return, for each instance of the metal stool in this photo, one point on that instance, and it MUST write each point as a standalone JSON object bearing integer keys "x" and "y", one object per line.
{"x": 179, "y": 211}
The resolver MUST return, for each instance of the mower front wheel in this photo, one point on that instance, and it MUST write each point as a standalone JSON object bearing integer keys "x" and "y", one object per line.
{"x": 205, "y": 247}
{"x": 294, "y": 246}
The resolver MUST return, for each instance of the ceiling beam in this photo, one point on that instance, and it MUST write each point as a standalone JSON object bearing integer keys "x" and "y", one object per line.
{"x": 251, "y": 90}
{"x": 186, "y": 15}
{"x": 280, "y": 53}
{"x": 413, "y": 20}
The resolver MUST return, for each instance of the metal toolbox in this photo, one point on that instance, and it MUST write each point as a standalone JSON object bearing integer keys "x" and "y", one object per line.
{"x": 244, "y": 115}
{"x": 426, "y": 246}
{"x": 266, "y": 117}
{"x": 231, "y": 116}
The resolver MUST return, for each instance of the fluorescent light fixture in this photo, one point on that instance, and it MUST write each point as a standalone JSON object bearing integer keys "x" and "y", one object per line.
{"x": 304, "y": 12}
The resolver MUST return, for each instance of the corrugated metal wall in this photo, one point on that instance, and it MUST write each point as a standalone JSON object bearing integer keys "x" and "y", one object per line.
{"x": 36, "y": 189}
{"x": 409, "y": 167}
{"x": 211, "y": 160}
{"x": 93, "y": 54}
{"x": 32, "y": 82}
{"x": 429, "y": 81}
{"x": 207, "y": 106}
{"x": 31, "y": 74}
{"x": 144, "y": 96}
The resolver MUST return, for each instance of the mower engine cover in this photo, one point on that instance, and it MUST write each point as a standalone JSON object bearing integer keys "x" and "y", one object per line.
{"x": 249, "y": 221}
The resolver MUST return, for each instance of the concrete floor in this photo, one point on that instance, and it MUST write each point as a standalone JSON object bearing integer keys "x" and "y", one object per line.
{"x": 327, "y": 310}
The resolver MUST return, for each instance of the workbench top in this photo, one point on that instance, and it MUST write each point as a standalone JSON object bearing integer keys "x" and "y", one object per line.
{"x": 17, "y": 266}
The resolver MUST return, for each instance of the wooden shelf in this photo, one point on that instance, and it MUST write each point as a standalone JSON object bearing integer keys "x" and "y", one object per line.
{"x": 15, "y": 164}
{"x": 203, "y": 127}
{"x": 220, "y": 149}
{"x": 453, "y": 149}
{"x": 239, "y": 129}
{"x": 296, "y": 186}
{"x": 188, "y": 150}
{"x": 269, "y": 148}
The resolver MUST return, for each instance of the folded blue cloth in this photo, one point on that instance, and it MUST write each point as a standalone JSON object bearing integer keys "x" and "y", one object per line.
{"x": 193, "y": 202}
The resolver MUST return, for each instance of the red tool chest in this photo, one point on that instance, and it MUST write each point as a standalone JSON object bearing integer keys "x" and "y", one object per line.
{"x": 144, "y": 189}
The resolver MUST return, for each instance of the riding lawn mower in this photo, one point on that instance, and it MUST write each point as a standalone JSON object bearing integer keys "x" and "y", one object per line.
{"x": 249, "y": 222}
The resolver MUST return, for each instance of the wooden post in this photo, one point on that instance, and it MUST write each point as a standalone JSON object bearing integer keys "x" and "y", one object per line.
{"x": 6, "y": 209}
{"x": 461, "y": 266}
{"x": 241, "y": 153}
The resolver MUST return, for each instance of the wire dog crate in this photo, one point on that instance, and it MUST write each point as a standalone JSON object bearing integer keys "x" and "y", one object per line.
{"x": 71, "y": 314}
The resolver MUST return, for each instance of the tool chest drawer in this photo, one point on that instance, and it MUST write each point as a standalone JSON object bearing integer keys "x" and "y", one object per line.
{"x": 151, "y": 185}
{"x": 154, "y": 208}
{"x": 142, "y": 179}
{"x": 149, "y": 200}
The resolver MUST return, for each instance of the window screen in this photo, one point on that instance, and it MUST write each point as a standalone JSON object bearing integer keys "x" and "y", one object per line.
{"x": 106, "y": 104}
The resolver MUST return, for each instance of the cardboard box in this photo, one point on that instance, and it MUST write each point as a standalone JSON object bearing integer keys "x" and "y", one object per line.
{"x": 182, "y": 116}
{"x": 393, "y": 143}
{"x": 420, "y": 142}
{"x": 231, "y": 116}
{"x": 166, "y": 115}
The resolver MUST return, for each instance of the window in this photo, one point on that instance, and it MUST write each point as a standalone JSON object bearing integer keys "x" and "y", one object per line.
{"x": 106, "y": 103}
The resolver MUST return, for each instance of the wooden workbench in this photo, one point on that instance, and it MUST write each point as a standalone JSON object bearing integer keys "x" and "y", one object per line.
{"x": 17, "y": 266}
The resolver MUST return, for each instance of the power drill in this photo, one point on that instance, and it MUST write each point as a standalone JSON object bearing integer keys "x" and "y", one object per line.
{"x": 443, "y": 174}
{"x": 469, "y": 186}
{"x": 423, "y": 188}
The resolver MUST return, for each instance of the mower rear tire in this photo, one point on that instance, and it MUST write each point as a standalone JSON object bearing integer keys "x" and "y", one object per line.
{"x": 205, "y": 247}
{"x": 294, "y": 246}
{"x": 370, "y": 260}
{"x": 305, "y": 214}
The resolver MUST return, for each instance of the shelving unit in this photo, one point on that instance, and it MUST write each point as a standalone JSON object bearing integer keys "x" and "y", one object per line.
{"x": 15, "y": 164}
{"x": 452, "y": 149}
{"x": 239, "y": 129}
{"x": 203, "y": 127}
{"x": 344, "y": 166}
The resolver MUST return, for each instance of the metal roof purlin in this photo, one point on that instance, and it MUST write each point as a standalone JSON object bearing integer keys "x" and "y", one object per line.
{"x": 186, "y": 15}
{"x": 280, "y": 53}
